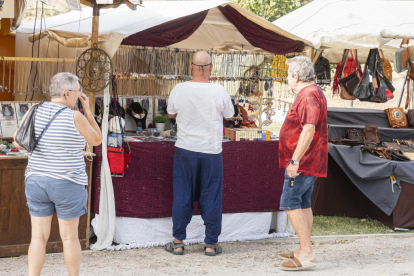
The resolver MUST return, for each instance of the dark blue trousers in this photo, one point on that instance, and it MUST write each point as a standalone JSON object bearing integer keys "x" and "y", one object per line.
{"x": 197, "y": 177}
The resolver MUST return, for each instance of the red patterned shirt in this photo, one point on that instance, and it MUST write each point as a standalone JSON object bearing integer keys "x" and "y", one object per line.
{"x": 309, "y": 108}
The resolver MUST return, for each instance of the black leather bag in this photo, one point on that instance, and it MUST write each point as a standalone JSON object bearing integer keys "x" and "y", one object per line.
{"x": 322, "y": 71}
{"x": 373, "y": 78}
{"x": 25, "y": 135}
{"x": 30, "y": 142}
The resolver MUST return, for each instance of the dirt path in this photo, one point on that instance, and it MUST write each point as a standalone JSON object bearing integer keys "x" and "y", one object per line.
{"x": 368, "y": 256}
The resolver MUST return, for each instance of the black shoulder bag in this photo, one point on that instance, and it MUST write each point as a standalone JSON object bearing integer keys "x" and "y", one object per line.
{"x": 25, "y": 135}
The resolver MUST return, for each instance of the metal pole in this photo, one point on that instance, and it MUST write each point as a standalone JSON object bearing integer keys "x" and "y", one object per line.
{"x": 402, "y": 90}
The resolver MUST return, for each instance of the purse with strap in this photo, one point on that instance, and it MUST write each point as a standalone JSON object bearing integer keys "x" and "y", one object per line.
{"x": 386, "y": 67}
{"x": 396, "y": 117}
{"x": 322, "y": 70}
{"x": 410, "y": 76}
{"x": 401, "y": 57}
{"x": 28, "y": 128}
{"x": 350, "y": 76}
{"x": 374, "y": 87}
{"x": 372, "y": 134}
{"x": 344, "y": 71}
{"x": 410, "y": 117}
{"x": 355, "y": 134}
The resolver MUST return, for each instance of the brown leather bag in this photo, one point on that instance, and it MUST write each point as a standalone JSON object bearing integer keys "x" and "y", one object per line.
{"x": 386, "y": 67}
{"x": 344, "y": 95}
{"x": 410, "y": 74}
{"x": 355, "y": 134}
{"x": 396, "y": 117}
{"x": 372, "y": 134}
{"x": 410, "y": 117}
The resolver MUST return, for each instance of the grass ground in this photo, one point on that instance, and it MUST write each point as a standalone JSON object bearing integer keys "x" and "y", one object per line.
{"x": 332, "y": 225}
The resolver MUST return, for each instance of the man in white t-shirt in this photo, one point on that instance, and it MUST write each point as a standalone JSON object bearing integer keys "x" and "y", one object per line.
{"x": 199, "y": 107}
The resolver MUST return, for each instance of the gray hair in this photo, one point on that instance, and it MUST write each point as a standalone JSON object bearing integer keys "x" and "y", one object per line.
{"x": 62, "y": 82}
{"x": 301, "y": 67}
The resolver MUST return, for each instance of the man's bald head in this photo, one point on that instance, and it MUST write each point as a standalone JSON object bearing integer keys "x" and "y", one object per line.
{"x": 201, "y": 58}
{"x": 201, "y": 65}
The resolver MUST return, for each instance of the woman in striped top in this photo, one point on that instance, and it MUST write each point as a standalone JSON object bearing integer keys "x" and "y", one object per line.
{"x": 55, "y": 176}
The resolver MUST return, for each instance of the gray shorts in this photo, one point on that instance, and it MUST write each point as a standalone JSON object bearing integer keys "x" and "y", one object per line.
{"x": 46, "y": 196}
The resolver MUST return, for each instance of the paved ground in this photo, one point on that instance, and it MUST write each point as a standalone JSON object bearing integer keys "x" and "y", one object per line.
{"x": 382, "y": 256}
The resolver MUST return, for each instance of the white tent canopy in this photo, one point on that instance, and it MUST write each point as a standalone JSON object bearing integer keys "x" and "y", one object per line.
{"x": 216, "y": 32}
{"x": 334, "y": 25}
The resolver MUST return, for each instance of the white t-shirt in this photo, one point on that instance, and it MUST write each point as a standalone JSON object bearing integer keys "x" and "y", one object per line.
{"x": 200, "y": 109}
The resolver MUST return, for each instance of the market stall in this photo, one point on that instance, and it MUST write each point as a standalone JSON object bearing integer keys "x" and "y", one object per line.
{"x": 158, "y": 41}
{"x": 15, "y": 230}
{"x": 374, "y": 179}
{"x": 361, "y": 181}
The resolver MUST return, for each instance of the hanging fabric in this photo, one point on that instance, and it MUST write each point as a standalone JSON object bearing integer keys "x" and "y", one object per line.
{"x": 106, "y": 226}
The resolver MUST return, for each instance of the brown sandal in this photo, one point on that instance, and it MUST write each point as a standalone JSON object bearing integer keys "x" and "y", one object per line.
{"x": 295, "y": 264}
{"x": 286, "y": 256}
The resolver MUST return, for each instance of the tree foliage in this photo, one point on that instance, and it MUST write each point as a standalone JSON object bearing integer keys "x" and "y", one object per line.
{"x": 271, "y": 9}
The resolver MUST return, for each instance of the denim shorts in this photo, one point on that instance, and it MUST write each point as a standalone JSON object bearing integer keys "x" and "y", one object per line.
{"x": 46, "y": 196}
{"x": 298, "y": 196}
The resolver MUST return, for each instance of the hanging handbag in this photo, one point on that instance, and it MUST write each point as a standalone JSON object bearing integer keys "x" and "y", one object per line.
{"x": 386, "y": 67}
{"x": 410, "y": 76}
{"x": 373, "y": 86}
{"x": 322, "y": 71}
{"x": 344, "y": 71}
{"x": 396, "y": 117}
{"x": 401, "y": 57}
{"x": 349, "y": 76}
{"x": 118, "y": 159}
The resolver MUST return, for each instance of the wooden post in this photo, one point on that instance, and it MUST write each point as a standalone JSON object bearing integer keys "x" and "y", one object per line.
{"x": 92, "y": 97}
{"x": 95, "y": 33}
{"x": 311, "y": 54}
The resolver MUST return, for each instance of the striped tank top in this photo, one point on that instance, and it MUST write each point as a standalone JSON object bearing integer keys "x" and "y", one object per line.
{"x": 59, "y": 153}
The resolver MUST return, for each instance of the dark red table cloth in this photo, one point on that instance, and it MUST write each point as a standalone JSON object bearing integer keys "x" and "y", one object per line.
{"x": 252, "y": 180}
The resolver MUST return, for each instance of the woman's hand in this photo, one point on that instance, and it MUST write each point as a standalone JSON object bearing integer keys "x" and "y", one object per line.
{"x": 84, "y": 101}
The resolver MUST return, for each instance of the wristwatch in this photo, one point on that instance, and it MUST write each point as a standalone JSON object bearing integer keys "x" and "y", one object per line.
{"x": 293, "y": 162}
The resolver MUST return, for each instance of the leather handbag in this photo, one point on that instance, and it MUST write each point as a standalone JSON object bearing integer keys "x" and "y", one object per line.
{"x": 349, "y": 80}
{"x": 374, "y": 87}
{"x": 322, "y": 71}
{"x": 386, "y": 67}
{"x": 344, "y": 71}
{"x": 396, "y": 117}
{"x": 355, "y": 134}
{"x": 401, "y": 57}
{"x": 410, "y": 76}
{"x": 25, "y": 135}
{"x": 372, "y": 134}
{"x": 410, "y": 117}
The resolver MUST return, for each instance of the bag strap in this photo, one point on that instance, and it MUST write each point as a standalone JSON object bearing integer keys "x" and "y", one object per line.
{"x": 356, "y": 60}
{"x": 345, "y": 55}
{"x": 381, "y": 54}
{"x": 47, "y": 126}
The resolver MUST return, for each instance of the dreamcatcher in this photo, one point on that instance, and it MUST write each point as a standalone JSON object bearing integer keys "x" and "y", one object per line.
{"x": 94, "y": 69}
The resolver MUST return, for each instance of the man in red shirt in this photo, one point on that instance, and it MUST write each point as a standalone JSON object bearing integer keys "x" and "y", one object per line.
{"x": 303, "y": 152}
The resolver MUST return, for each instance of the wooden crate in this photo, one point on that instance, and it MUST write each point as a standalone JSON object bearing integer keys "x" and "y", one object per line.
{"x": 15, "y": 229}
